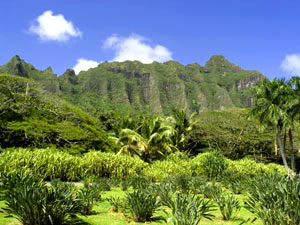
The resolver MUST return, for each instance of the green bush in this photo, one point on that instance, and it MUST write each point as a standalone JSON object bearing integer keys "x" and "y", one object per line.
{"x": 50, "y": 164}
{"x": 250, "y": 166}
{"x": 196, "y": 182}
{"x": 164, "y": 192}
{"x": 210, "y": 191}
{"x": 160, "y": 169}
{"x": 47, "y": 163}
{"x": 275, "y": 200}
{"x": 111, "y": 165}
{"x": 236, "y": 182}
{"x": 228, "y": 205}
{"x": 189, "y": 210}
{"x": 211, "y": 164}
{"x": 179, "y": 182}
{"x": 118, "y": 204}
{"x": 103, "y": 184}
{"x": 90, "y": 194}
{"x": 140, "y": 182}
{"x": 142, "y": 205}
{"x": 31, "y": 202}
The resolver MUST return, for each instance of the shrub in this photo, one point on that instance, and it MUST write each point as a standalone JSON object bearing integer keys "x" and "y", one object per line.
{"x": 196, "y": 182}
{"x": 90, "y": 194}
{"x": 275, "y": 200}
{"x": 250, "y": 166}
{"x": 211, "y": 164}
{"x": 125, "y": 184}
{"x": 118, "y": 204}
{"x": 160, "y": 169}
{"x": 237, "y": 183}
{"x": 49, "y": 164}
{"x": 32, "y": 202}
{"x": 103, "y": 184}
{"x": 111, "y": 165}
{"x": 140, "y": 182}
{"x": 164, "y": 191}
{"x": 189, "y": 210}
{"x": 142, "y": 205}
{"x": 228, "y": 205}
{"x": 210, "y": 191}
{"x": 179, "y": 182}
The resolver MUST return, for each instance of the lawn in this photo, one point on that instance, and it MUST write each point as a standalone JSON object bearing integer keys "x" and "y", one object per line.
{"x": 105, "y": 216}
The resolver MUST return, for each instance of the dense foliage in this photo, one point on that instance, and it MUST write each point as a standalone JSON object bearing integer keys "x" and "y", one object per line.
{"x": 49, "y": 164}
{"x": 277, "y": 105}
{"x": 32, "y": 202}
{"x": 30, "y": 118}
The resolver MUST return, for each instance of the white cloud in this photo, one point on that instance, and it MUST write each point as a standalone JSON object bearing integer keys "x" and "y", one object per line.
{"x": 291, "y": 64}
{"x": 136, "y": 47}
{"x": 54, "y": 27}
{"x": 84, "y": 65}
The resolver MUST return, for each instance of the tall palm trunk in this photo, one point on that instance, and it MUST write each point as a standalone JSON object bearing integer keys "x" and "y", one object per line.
{"x": 275, "y": 145}
{"x": 293, "y": 164}
{"x": 284, "y": 140}
{"x": 281, "y": 149}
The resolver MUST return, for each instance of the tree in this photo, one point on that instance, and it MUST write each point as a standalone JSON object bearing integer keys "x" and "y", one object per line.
{"x": 183, "y": 125}
{"x": 150, "y": 141}
{"x": 293, "y": 110}
{"x": 270, "y": 109}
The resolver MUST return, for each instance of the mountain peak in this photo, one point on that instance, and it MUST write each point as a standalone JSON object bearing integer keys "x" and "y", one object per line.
{"x": 49, "y": 69}
{"x": 219, "y": 64}
{"x": 15, "y": 58}
{"x": 17, "y": 66}
{"x": 69, "y": 72}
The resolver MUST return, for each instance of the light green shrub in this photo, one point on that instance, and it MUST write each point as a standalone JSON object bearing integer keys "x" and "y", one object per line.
{"x": 249, "y": 166}
{"x": 160, "y": 169}
{"x": 211, "y": 164}
{"x": 111, "y": 165}
{"x": 49, "y": 164}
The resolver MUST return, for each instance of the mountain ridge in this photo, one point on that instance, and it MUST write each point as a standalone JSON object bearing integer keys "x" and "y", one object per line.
{"x": 132, "y": 86}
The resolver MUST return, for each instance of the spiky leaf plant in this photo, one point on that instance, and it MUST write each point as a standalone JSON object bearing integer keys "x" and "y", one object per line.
{"x": 189, "y": 209}
{"x": 275, "y": 200}
{"x": 117, "y": 203}
{"x": 228, "y": 205}
{"x": 142, "y": 205}
{"x": 31, "y": 202}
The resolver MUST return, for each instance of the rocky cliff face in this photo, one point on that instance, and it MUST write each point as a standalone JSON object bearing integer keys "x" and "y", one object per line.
{"x": 156, "y": 87}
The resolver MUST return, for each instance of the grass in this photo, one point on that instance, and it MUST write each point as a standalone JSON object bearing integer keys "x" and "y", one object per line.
{"x": 105, "y": 216}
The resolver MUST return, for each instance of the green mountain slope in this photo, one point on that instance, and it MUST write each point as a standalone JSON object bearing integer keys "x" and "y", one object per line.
{"x": 156, "y": 87}
{"x": 29, "y": 117}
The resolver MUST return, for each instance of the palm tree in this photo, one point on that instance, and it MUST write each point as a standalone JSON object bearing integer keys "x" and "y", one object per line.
{"x": 150, "y": 141}
{"x": 183, "y": 125}
{"x": 293, "y": 109}
{"x": 269, "y": 108}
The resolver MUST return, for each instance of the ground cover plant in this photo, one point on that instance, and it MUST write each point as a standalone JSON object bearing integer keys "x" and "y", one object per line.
{"x": 175, "y": 200}
{"x": 31, "y": 202}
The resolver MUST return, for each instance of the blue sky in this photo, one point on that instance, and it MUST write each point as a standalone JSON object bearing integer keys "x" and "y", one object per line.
{"x": 254, "y": 34}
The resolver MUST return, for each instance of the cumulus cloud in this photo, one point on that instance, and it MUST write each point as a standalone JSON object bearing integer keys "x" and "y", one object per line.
{"x": 84, "y": 65}
{"x": 54, "y": 27}
{"x": 136, "y": 47}
{"x": 291, "y": 64}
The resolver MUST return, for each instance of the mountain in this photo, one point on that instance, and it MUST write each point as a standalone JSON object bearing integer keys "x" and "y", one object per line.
{"x": 18, "y": 67}
{"x": 157, "y": 87}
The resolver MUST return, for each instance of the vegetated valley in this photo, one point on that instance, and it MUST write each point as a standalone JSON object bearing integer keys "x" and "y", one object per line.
{"x": 160, "y": 143}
